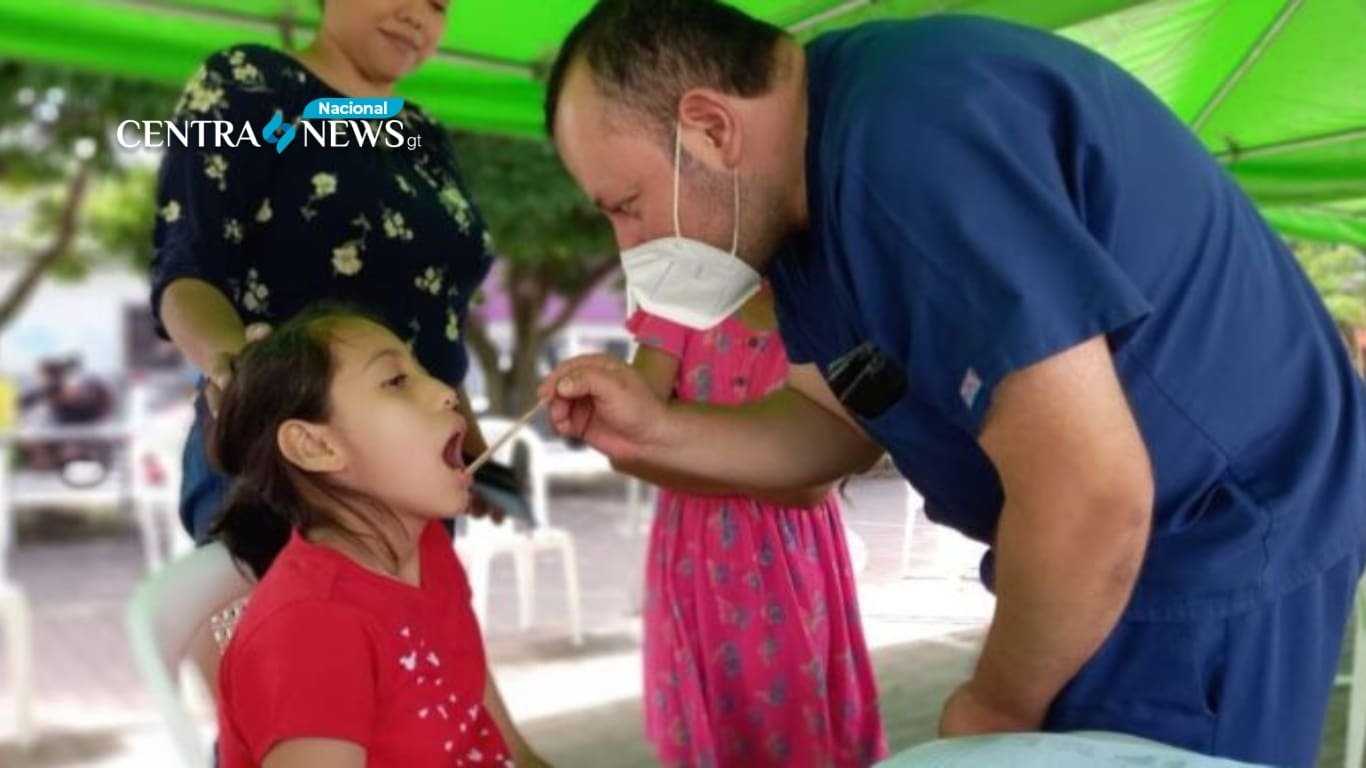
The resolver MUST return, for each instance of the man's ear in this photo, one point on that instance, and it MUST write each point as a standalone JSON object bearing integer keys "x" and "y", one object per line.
{"x": 310, "y": 447}
{"x": 711, "y": 128}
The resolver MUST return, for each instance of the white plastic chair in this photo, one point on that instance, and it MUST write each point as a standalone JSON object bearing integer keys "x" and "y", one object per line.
{"x": 155, "y": 451}
{"x": 914, "y": 504}
{"x": 16, "y": 620}
{"x": 1356, "y": 708}
{"x": 17, "y": 623}
{"x": 484, "y": 540}
{"x": 167, "y": 610}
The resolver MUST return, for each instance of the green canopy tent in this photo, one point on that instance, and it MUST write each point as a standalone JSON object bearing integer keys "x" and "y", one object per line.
{"x": 1276, "y": 89}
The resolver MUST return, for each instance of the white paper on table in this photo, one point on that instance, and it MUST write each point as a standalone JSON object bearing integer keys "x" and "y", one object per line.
{"x": 1053, "y": 750}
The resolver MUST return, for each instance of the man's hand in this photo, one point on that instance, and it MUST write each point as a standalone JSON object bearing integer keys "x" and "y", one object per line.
{"x": 971, "y": 711}
{"x": 1069, "y": 543}
{"x": 221, "y": 369}
{"x": 786, "y": 440}
{"x": 604, "y": 402}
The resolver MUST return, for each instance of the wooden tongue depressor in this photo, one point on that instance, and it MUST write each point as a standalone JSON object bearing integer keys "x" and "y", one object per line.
{"x": 495, "y": 445}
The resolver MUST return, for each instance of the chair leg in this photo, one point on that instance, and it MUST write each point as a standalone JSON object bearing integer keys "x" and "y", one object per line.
{"x": 858, "y": 551}
{"x": 637, "y": 522}
{"x": 524, "y": 560}
{"x": 15, "y": 617}
{"x": 1356, "y": 710}
{"x": 146, "y": 519}
{"x": 571, "y": 589}
{"x": 908, "y": 533}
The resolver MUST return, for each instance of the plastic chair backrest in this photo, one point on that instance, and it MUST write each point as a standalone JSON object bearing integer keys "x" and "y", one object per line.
{"x": 158, "y": 441}
{"x": 494, "y": 427}
{"x": 166, "y": 612}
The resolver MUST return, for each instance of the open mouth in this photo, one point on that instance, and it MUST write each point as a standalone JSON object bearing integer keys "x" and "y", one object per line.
{"x": 453, "y": 453}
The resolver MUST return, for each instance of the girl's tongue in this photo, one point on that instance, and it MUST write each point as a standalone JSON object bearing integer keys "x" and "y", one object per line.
{"x": 452, "y": 454}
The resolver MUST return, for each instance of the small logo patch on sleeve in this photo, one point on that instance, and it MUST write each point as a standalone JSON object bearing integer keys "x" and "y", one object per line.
{"x": 971, "y": 386}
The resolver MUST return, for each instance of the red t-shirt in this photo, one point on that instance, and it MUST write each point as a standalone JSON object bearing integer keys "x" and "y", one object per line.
{"x": 328, "y": 649}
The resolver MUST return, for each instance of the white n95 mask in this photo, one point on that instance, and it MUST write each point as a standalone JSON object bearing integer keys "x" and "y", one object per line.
{"x": 687, "y": 281}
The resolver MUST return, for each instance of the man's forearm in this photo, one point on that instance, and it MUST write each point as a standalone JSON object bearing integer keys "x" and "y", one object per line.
{"x": 782, "y": 442}
{"x": 201, "y": 321}
{"x": 671, "y": 479}
{"x": 1062, "y": 582}
{"x": 675, "y": 481}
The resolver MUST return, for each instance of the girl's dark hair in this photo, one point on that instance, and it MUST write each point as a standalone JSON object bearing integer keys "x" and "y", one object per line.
{"x": 287, "y": 375}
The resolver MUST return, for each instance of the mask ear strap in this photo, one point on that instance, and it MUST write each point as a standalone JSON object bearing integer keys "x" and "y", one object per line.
{"x": 678, "y": 169}
{"x": 735, "y": 233}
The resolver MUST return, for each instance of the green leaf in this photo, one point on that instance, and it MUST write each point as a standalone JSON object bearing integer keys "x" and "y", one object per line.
{"x": 1338, "y": 272}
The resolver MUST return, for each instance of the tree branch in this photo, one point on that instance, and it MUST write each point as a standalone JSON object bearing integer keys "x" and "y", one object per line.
{"x": 575, "y": 301}
{"x": 478, "y": 339}
{"x": 39, "y": 264}
{"x": 286, "y": 24}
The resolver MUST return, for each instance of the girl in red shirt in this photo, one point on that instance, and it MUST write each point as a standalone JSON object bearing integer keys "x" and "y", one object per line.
{"x": 359, "y": 646}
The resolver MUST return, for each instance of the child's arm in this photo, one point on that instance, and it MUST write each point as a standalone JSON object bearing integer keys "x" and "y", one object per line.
{"x": 315, "y": 753}
{"x": 660, "y": 370}
{"x": 523, "y": 756}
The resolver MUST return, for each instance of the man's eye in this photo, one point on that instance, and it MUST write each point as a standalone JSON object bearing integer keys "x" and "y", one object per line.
{"x": 396, "y": 382}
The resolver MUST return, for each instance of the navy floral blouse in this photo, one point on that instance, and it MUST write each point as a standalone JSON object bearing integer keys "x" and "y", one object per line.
{"x": 391, "y": 230}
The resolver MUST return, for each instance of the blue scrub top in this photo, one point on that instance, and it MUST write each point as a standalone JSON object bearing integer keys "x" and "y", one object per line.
{"x": 984, "y": 196}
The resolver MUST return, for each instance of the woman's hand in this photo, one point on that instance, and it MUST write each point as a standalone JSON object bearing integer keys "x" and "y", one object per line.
{"x": 221, "y": 369}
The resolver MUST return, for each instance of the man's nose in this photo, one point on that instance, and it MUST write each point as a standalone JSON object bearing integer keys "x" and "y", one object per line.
{"x": 628, "y": 236}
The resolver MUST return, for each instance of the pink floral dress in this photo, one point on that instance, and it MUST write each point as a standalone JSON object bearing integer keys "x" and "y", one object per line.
{"x": 754, "y": 651}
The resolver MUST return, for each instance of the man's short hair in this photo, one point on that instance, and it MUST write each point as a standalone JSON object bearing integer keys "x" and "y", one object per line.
{"x": 645, "y": 54}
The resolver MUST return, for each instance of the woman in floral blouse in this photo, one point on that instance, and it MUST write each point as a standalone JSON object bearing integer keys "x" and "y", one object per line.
{"x": 251, "y": 234}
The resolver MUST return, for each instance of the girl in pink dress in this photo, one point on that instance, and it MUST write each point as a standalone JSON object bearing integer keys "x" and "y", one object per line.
{"x": 754, "y": 652}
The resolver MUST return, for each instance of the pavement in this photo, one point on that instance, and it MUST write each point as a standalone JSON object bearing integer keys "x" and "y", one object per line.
{"x": 578, "y": 706}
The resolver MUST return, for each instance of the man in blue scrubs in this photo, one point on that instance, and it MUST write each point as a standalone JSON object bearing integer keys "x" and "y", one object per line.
{"x": 1003, "y": 261}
